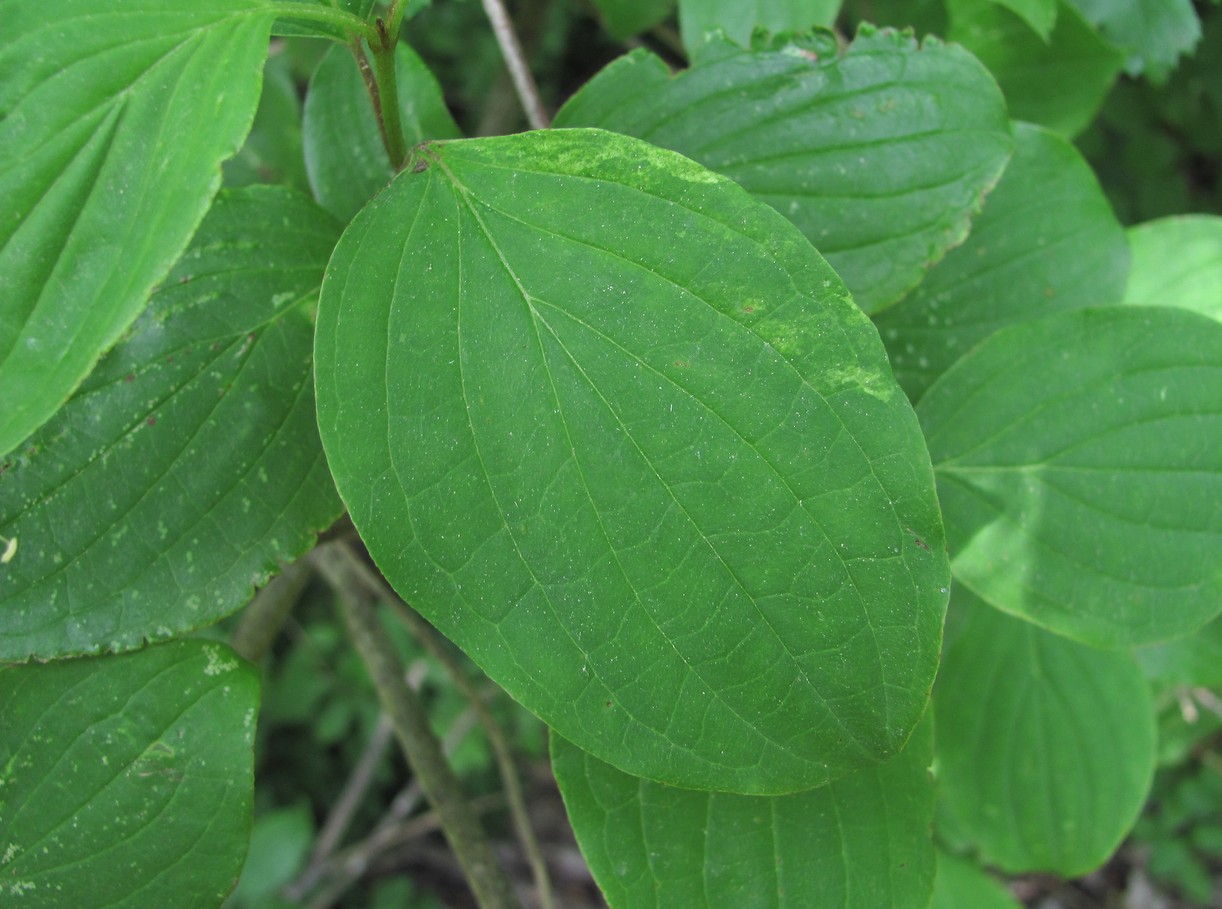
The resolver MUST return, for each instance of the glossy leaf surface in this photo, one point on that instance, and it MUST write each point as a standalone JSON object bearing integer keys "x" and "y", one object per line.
{"x": 681, "y": 512}
{"x": 1177, "y": 261}
{"x": 127, "y": 779}
{"x": 879, "y": 156}
{"x": 188, "y": 464}
{"x": 345, "y": 158}
{"x": 860, "y": 842}
{"x": 1046, "y": 242}
{"x": 1059, "y": 81}
{"x": 1079, "y": 471}
{"x": 1046, "y": 747}
{"x": 113, "y": 125}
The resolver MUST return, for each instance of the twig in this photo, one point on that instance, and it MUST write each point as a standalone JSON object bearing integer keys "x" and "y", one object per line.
{"x": 265, "y": 615}
{"x": 462, "y": 828}
{"x": 511, "y": 50}
{"x": 359, "y": 858}
{"x": 500, "y": 747}
{"x": 343, "y": 869}
{"x": 354, "y": 790}
{"x": 404, "y": 803}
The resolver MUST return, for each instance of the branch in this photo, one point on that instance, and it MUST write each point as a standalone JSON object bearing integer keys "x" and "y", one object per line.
{"x": 484, "y": 873}
{"x": 511, "y": 50}
{"x": 425, "y": 634}
{"x": 358, "y": 859}
{"x": 265, "y": 615}
{"x": 340, "y": 870}
{"x": 353, "y": 792}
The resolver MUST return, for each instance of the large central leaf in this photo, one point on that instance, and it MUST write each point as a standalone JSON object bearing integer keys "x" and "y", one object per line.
{"x": 621, "y": 433}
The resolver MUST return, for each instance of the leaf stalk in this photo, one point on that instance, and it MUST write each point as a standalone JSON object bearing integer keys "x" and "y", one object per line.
{"x": 386, "y": 101}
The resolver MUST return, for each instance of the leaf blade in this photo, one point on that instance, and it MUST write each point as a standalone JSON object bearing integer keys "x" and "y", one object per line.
{"x": 1177, "y": 261}
{"x": 104, "y": 197}
{"x": 188, "y": 464}
{"x": 646, "y": 485}
{"x": 879, "y": 156}
{"x": 861, "y": 841}
{"x": 346, "y": 161}
{"x": 128, "y": 778}
{"x": 1074, "y": 461}
{"x": 1029, "y": 254}
{"x": 1046, "y": 746}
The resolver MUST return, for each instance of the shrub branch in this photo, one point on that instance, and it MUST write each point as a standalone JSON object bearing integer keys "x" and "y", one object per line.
{"x": 462, "y": 828}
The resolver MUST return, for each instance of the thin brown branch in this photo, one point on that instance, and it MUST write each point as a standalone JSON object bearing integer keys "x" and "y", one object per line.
{"x": 462, "y": 828}
{"x": 515, "y": 59}
{"x": 496, "y": 739}
{"x": 267, "y": 612}
{"x": 341, "y": 869}
{"x": 354, "y": 790}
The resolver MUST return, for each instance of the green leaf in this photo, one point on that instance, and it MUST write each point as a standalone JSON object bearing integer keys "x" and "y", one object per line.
{"x": 345, "y": 157}
{"x": 924, "y": 17}
{"x": 738, "y": 19}
{"x": 279, "y": 848}
{"x": 1078, "y": 471}
{"x": 272, "y": 153}
{"x": 113, "y": 125}
{"x": 1059, "y": 82}
{"x": 680, "y": 512}
{"x": 1194, "y": 660}
{"x": 1045, "y": 747}
{"x": 1039, "y": 15}
{"x": 1046, "y": 242}
{"x": 188, "y": 464}
{"x": 879, "y": 156}
{"x": 334, "y": 25}
{"x": 1154, "y": 32}
{"x": 1177, "y": 261}
{"x": 127, "y": 779}
{"x": 625, "y": 18}
{"x": 860, "y": 842}
{"x": 961, "y": 883}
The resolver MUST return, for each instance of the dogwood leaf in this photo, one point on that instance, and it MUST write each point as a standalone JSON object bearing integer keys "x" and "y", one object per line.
{"x": 682, "y": 512}
{"x": 880, "y": 155}
{"x": 114, "y": 121}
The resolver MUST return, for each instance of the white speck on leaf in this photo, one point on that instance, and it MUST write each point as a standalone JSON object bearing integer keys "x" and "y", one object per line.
{"x": 217, "y": 662}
